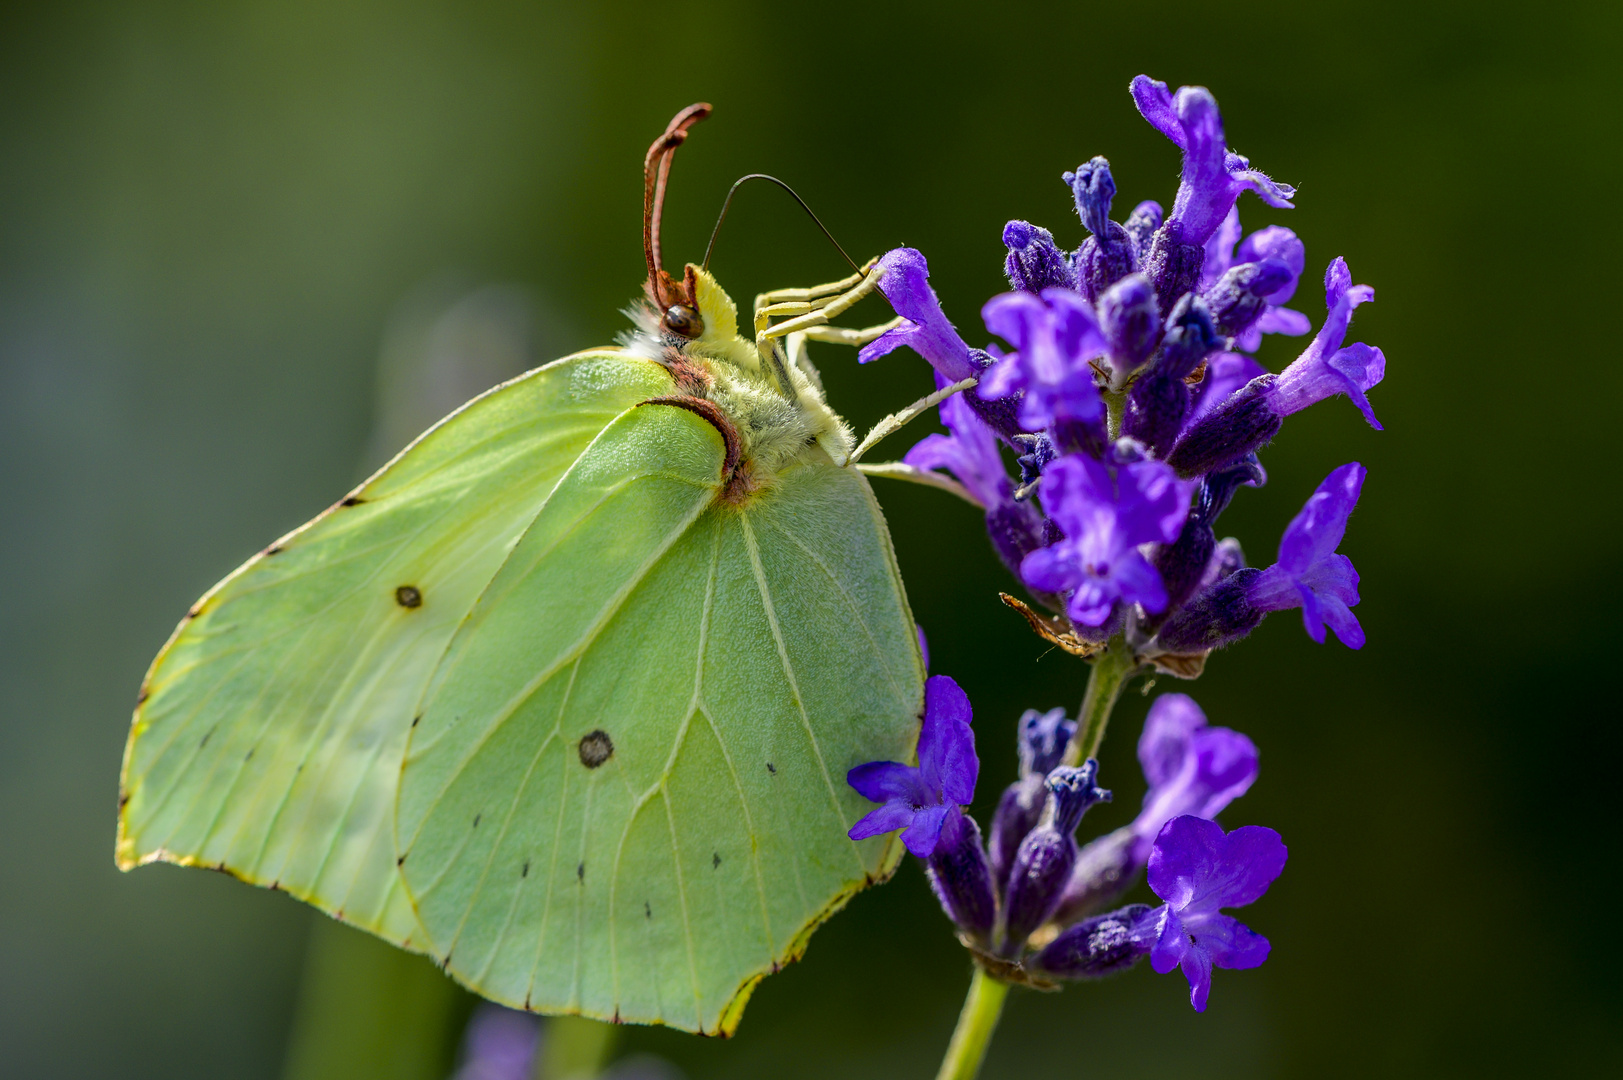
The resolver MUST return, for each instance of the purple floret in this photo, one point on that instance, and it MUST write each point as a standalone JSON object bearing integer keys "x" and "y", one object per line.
{"x": 1054, "y": 335}
{"x": 1213, "y": 177}
{"x": 920, "y": 799}
{"x": 969, "y": 452}
{"x": 1106, "y": 512}
{"x": 1310, "y": 573}
{"x": 1197, "y": 869}
{"x": 905, "y": 282}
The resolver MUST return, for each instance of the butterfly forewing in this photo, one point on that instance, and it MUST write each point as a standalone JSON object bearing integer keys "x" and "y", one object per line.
{"x": 269, "y": 738}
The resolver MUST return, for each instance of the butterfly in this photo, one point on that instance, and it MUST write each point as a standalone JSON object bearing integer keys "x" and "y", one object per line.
{"x": 565, "y": 694}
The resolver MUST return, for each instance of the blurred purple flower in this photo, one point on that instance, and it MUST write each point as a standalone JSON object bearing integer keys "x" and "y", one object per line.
{"x": 1192, "y": 768}
{"x": 499, "y": 1044}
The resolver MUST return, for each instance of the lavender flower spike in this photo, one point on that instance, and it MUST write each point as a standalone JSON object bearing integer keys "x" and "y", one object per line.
{"x": 922, "y": 799}
{"x": 1310, "y": 572}
{"x": 1106, "y": 513}
{"x": 905, "y": 282}
{"x": 1198, "y": 869}
{"x": 1213, "y": 178}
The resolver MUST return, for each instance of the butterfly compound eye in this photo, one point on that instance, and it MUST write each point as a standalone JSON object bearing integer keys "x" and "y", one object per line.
{"x": 683, "y": 321}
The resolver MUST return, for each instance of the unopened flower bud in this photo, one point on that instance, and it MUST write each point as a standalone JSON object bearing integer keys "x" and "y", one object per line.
{"x": 1102, "y": 945}
{"x": 1241, "y": 424}
{"x": 1239, "y": 297}
{"x": 1035, "y": 262}
{"x": 1042, "y": 866}
{"x": 1131, "y": 321}
{"x": 962, "y": 879}
{"x": 1141, "y": 225}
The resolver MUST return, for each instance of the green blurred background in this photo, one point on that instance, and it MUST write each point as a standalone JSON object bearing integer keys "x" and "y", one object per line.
{"x": 221, "y": 224}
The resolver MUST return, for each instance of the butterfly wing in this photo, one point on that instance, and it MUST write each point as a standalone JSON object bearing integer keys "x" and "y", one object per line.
{"x": 269, "y": 735}
{"x": 626, "y": 796}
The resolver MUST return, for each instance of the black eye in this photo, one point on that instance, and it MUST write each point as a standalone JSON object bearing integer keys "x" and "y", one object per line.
{"x": 683, "y": 320}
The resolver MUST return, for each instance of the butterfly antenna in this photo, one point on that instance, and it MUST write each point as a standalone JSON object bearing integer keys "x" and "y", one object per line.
{"x": 763, "y": 176}
{"x": 656, "y": 172}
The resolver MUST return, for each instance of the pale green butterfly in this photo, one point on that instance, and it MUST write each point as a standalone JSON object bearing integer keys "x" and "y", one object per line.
{"x": 565, "y": 694}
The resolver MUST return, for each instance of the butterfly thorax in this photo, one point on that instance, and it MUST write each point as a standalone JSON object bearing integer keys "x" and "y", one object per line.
{"x": 773, "y": 431}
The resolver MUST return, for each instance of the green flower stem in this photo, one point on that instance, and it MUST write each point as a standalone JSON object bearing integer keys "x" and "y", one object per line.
{"x": 1111, "y": 670}
{"x": 984, "y": 1005}
{"x": 976, "y": 1023}
{"x": 1115, "y": 407}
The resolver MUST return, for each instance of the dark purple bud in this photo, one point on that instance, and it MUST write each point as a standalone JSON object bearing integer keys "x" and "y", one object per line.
{"x": 1016, "y": 529}
{"x": 1239, "y": 297}
{"x": 1018, "y": 811}
{"x": 1159, "y": 401}
{"x": 1109, "y": 254}
{"x": 1106, "y": 867}
{"x": 962, "y": 878}
{"x": 1043, "y": 739}
{"x": 1220, "y": 615}
{"x": 1042, "y": 742}
{"x": 1102, "y": 945}
{"x": 1102, "y": 261}
{"x": 1130, "y": 318}
{"x": 1043, "y": 863}
{"x": 1156, "y": 407}
{"x": 1172, "y": 265}
{"x": 1185, "y": 562}
{"x": 1036, "y": 451}
{"x": 1240, "y": 425}
{"x": 1191, "y": 337}
{"x": 1035, "y": 262}
{"x": 1093, "y": 188}
{"x": 1141, "y": 226}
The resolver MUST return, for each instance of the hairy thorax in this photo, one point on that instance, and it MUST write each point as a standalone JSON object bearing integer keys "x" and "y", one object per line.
{"x": 767, "y": 431}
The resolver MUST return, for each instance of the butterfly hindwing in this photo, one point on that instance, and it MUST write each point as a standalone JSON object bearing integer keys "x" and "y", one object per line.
{"x": 626, "y": 797}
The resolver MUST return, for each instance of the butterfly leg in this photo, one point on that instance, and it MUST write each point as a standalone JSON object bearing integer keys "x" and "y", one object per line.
{"x": 803, "y": 310}
{"x": 898, "y": 420}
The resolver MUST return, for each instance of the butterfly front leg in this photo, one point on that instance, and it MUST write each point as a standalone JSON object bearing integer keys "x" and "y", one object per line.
{"x": 806, "y": 314}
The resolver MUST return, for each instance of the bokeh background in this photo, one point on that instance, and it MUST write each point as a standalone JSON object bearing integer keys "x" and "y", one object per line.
{"x": 232, "y": 235}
